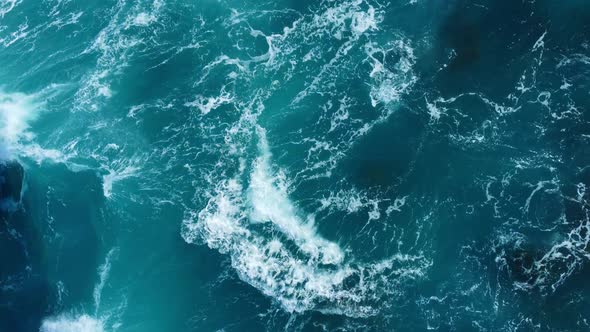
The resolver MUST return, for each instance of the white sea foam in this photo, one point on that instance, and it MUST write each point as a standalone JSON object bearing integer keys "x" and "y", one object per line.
{"x": 398, "y": 203}
{"x": 540, "y": 43}
{"x": 60, "y": 22}
{"x": 17, "y": 111}
{"x": 249, "y": 213}
{"x": 116, "y": 175}
{"x": 37, "y": 153}
{"x": 549, "y": 272}
{"x": 73, "y": 322}
{"x": 270, "y": 202}
{"x": 6, "y": 6}
{"x": 434, "y": 111}
{"x": 364, "y": 21}
{"x": 553, "y": 262}
{"x": 349, "y": 16}
{"x": 352, "y": 201}
{"x": 297, "y": 282}
{"x": 576, "y": 58}
{"x": 207, "y": 104}
{"x": 313, "y": 275}
{"x": 113, "y": 44}
{"x": 65, "y": 323}
{"x": 20, "y": 33}
{"x": 144, "y": 19}
{"x": 391, "y": 81}
{"x": 103, "y": 275}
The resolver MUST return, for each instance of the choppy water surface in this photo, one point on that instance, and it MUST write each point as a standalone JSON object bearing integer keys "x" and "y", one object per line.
{"x": 349, "y": 165}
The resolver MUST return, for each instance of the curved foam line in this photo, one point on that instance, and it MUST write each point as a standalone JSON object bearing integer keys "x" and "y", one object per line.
{"x": 270, "y": 202}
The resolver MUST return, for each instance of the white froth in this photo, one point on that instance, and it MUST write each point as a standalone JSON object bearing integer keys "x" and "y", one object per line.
{"x": 270, "y": 202}
{"x": 105, "y": 91}
{"x": 337, "y": 18}
{"x": 115, "y": 175}
{"x": 363, "y": 21}
{"x": 433, "y": 110}
{"x": 16, "y": 111}
{"x": 391, "y": 81}
{"x": 114, "y": 44}
{"x": 398, "y": 203}
{"x": 297, "y": 278}
{"x": 39, "y": 154}
{"x": 103, "y": 274}
{"x": 20, "y": 33}
{"x": 249, "y": 213}
{"x": 219, "y": 223}
{"x": 206, "y": 105}
{"x": 70, "y": 322}
{"x": 83, "y": 323}
{"x": 6, "y": 6}
{"x": 540, "y": 43}
{"x": 143, "y": 19}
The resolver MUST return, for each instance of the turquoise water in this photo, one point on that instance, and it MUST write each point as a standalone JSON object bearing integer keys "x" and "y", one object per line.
{"x": 338, "y": 165}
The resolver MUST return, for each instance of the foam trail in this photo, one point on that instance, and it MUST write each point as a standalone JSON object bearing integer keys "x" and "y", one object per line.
{"x": 103, "y": 273}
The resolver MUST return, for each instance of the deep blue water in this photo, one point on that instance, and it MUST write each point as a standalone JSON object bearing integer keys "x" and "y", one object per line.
{"x": 342, "y": 165}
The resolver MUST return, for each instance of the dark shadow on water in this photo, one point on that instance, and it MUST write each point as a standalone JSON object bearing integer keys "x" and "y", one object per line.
{"x": 49, "y": 239}
{"x": 385, "y": 155}
{"x": 481, "y": 44}
{"x": 24, "y": 291}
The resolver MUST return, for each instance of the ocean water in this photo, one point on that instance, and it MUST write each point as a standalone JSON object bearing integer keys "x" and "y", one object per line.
{"x": 294, "y": 165}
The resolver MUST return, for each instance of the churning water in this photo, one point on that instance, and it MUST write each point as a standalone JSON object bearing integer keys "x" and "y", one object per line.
{"x": 297, "y": 165}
